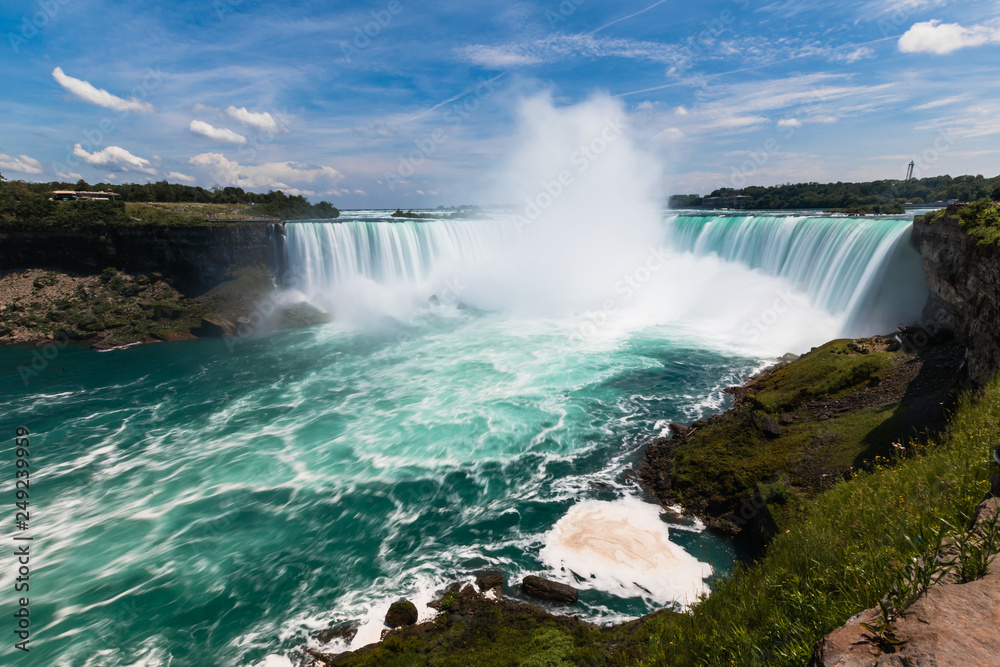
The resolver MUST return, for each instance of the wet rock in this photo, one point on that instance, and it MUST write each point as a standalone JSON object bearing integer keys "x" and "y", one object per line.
{"x": 543, "y": 589}
{"x": 401, "y": 613}
{"x": 214, "y": 327}
{"x": 345, "y": 631}
{"x": 680, "y": 431}
{"x": 490, "y": 580}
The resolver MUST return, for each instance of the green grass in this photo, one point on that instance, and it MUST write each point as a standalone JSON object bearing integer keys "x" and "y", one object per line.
{"x": 833, "y": 561}
{"x": 724, "y": 463}
{"x": 980, "y": 220}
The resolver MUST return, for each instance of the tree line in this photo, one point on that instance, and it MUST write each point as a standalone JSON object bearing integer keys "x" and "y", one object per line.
{"x": 28, "y": 203}
{"x": 855, "y": 195}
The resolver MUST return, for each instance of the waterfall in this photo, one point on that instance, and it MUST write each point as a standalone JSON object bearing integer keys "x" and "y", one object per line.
{"x": 862, "y": 271}
{"x": 866, "y": 269}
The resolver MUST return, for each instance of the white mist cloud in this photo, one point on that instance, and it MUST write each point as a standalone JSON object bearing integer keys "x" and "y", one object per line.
{"x": 178, "y": 176}
{"x": 115, "y": 157}
{"x": 259, "y": 121}
{"x": 219, "y": 134}
{"x": 789, "y": 122}
{"x": 102, "y": 98}
{"x": 942, "y": 38}
{"x": 274, "y": 175}
{"x": 22, "y": 164}
{"x": 71, "y": 176}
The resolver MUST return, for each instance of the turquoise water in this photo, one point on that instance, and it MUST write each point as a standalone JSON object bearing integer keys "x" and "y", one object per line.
{"x": 195, "y": 505}
{"x": 209, "y": 503}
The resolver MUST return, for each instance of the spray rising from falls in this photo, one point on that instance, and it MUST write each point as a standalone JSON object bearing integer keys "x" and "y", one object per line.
{"x": 763, "y": 284}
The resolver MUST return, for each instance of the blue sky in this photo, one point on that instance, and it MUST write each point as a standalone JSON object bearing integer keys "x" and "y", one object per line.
{"x": 404, "y": 103}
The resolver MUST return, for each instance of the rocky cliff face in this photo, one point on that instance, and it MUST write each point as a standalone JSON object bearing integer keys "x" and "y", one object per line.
{"x": 964, "y": 283}
{"x": 196, "y": 259}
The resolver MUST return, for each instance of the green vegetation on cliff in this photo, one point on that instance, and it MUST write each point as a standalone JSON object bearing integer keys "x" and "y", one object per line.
{"x": 980, "y": 220}
{"x": 26, "y": 205}
{"x": 857, "y": 195}
{"x": 796, "y": 429}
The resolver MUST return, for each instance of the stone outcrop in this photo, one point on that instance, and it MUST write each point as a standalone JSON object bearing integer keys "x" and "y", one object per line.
{"x": 196, "y": 259}
{"x": 950, "y": 624}
{"x": 964, "y": 283}
{"x": 551, "y": 591}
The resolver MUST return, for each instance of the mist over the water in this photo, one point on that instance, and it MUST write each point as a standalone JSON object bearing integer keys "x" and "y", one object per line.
{"x": 585, "y": 208}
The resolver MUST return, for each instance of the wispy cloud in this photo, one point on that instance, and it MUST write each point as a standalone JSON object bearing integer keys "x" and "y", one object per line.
{"x": 940, "y": 103}
{"x": 22, "y": 164}
{"x": 102, "y": 98}
{"x": 178, "y": 176}
{"x": 943, "y": 38}
{"x": 116, "y": 157}
{"x": 220, "y": 134}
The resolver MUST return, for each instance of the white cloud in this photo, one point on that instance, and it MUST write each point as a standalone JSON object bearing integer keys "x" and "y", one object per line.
{"x": 258, "y": 121}
{"x": 670, "y": 134}
{"x": 71, "y": 176}
{"x": 177, "y": 176}
{"x": 21, "y": 164}
{"x": 285, "y": 176}
{"x": 789, "y": 122}
{"x": 560, "y": 46}
{"x": 116, "y": 157}
{"x": 940, "y": 103}
{"x": 219, "y": 134}
{"x": 942, "y": 38}
{"x": 102, "y": 98}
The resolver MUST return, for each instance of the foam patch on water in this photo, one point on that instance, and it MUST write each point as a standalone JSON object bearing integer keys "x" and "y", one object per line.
{"x": 623, "y": 548}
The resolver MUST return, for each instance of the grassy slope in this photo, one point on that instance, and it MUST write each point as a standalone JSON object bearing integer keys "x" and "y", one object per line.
{"x": 836, "y": 409}
{"x": 832, "y": 562}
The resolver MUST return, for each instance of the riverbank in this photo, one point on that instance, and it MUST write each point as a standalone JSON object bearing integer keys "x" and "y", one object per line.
{"x": 116, "y": 309}
{"x": 797, "y": 428}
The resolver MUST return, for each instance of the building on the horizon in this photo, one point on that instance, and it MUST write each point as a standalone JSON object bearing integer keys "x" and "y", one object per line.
{"x": 75, "y": 195}
{"x": 726, "y": 201}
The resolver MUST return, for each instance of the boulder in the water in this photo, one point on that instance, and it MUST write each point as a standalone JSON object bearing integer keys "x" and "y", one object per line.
{"x": 490, "y": 580}
{"x": 401, "y": 613}
{"x": 552, "y": 591}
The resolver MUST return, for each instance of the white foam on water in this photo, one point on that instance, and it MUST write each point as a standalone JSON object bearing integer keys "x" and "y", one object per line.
{"x": 623, "y": 548}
